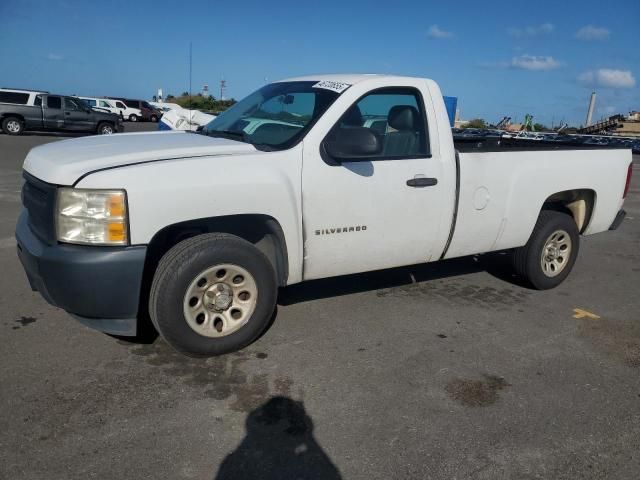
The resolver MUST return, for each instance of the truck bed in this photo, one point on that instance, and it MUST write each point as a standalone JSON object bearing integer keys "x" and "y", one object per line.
{"x": 501, "y": 193}
{"x": 492, "y": 142}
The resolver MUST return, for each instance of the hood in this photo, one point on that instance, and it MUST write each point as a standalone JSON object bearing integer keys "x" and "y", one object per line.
{"x": 64, "y": 162}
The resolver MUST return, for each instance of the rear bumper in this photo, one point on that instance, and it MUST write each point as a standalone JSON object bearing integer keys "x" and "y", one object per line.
{"x": 100, "y": 286}
{"x": 618, "y": 220}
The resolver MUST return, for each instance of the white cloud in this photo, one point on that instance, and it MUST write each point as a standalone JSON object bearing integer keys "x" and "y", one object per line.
{"x": 54, "y": 56}
{"x": 607, "y": 77}
{"x": 532, "y": 30}
{"x": 436, "y": 32}
{"x": 589, "y": 32}
{"x": 532, "y": 62}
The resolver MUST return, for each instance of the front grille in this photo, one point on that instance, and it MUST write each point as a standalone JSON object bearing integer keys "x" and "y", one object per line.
{"x": 39, "y": 199}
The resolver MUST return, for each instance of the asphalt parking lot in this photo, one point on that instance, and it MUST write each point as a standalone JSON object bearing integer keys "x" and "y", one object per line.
{"x": 446, "y": 370}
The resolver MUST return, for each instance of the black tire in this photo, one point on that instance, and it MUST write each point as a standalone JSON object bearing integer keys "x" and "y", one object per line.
{"x": 12, "y": 126}
{"x": 527, "y": 260}
{"x": 177, "y": 270}
{"x": 105, "y": 128}
{"x": 154, "y": 118}
{"x": 133, "y": 118}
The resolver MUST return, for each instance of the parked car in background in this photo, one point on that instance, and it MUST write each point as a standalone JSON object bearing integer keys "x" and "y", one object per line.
{"x": 165, "y": 107}
{"x": 107, "y": 105}
{"x": 125, "y": 111}
{"x": 147, "y": 111}
{"x": 22, "y": 110}
{"x": 100, "y": 104}
{"x": 114, "y": 106}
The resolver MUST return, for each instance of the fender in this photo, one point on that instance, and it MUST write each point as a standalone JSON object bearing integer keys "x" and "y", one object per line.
{"x": 183, "y": 190}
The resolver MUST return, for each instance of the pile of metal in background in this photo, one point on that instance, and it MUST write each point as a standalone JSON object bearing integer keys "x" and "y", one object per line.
{"x": 479, "y": 139}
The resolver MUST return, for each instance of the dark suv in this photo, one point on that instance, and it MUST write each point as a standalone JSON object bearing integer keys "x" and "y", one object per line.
{"x": 149, "y": 112}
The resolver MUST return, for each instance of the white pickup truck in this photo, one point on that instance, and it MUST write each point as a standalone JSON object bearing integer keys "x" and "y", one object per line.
{"x": 306, "y": 178}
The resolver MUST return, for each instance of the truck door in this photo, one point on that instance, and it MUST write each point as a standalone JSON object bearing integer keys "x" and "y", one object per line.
{"x": 53, "y": 114}
{"x": 76, "y": 116}
{"x": 384, "y": 210}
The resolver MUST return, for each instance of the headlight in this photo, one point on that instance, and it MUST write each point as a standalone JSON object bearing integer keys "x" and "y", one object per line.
{"x": 94, "y": 217}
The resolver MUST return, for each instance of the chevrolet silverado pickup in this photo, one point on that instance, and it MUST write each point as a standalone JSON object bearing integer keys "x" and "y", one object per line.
{"x": 306, "y": 178}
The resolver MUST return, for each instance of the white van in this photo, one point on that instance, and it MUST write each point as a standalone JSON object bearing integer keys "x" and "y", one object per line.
{"x": 113, "y": 106}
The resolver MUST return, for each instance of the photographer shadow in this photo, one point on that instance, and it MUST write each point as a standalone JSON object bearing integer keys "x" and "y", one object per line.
{"x": 279, "y": 444}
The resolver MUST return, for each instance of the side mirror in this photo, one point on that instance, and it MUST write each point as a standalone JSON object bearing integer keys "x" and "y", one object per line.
{"x": 353, "y": 144}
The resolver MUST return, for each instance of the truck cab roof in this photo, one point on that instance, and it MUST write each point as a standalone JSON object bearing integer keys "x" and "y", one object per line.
{"x": 350, "y": 78}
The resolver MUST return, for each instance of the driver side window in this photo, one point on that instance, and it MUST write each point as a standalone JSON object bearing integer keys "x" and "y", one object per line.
{"x": 71, "y": 104}
{"x": 396, "y": 116}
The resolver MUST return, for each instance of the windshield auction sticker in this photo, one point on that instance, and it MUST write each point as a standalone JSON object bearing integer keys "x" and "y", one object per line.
{"x": 338, "y": 87}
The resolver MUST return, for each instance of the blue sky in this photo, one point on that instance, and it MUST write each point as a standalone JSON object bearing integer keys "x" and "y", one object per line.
{"x": 498, "y": 58}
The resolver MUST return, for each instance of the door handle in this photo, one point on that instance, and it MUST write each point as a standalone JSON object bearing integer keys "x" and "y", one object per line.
{"x": 67, "y": 113}
{"x": 419, "y": 182}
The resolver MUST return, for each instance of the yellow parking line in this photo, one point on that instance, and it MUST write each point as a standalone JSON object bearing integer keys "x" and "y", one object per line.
{"x": 581, "y": 313}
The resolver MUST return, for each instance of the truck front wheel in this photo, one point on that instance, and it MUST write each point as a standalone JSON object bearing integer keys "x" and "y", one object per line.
{"x": 12, "y": 126}
{"x": 212, "y": 294}
{"x": 549, "y": 255}
{"x": 105, "y": 128}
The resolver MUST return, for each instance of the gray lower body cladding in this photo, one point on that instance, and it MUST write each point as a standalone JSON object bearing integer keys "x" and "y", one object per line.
{"x": 98, "y": 285}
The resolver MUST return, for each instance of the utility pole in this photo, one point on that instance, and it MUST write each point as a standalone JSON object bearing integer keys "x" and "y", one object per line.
{"x": 190, "y": 70}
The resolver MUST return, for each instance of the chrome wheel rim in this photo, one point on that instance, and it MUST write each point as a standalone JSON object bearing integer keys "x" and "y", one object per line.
{"x": 556, "y": 253}
{"x": 220, "y": 300}
{"x": 107, "y": 130}
{"x": 13, "y": 126}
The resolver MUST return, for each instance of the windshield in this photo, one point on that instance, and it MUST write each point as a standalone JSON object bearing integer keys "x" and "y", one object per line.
{"x": 275, "y": 117}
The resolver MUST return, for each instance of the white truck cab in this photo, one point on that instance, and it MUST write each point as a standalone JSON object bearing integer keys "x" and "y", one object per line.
{"x": 337, "y": 174}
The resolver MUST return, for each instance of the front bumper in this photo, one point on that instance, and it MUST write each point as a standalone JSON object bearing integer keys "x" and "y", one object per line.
{"x": 100, "y": 286}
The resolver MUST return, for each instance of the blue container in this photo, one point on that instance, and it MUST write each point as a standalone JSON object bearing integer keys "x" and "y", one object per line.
{"x": 451, "y": 103}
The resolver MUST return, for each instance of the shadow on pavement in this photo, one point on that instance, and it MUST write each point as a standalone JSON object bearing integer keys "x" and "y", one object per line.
{"x": 279, "y": 444}
{"x": 496, "y": 264}
{"x": 34, "y": 133}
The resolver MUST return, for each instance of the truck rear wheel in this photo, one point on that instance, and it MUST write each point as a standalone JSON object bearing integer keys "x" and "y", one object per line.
{"x": 549, "y": 255}
{"x": 212, "y": 294}
{"x": 12, "y": 126}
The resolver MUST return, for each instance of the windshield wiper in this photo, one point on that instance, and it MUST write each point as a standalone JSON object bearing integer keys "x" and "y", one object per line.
{"x": 230, "y": 134}
{"x": 241, "y": 136}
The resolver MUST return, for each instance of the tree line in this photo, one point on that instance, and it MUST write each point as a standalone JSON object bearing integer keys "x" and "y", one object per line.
{"x": 207, "y": 104}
